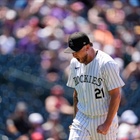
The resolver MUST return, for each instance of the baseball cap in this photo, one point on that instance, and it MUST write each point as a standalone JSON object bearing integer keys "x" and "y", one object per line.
{"x": 76, "y": 42}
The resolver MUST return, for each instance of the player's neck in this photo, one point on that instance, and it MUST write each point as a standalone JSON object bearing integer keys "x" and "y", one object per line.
{"x": 92, "y": 54}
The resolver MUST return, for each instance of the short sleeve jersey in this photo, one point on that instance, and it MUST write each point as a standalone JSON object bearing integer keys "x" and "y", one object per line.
{"x": 92, "y": 83}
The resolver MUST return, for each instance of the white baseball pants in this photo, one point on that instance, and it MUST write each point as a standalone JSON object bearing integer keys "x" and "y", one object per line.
{"x": 85, "y": 128}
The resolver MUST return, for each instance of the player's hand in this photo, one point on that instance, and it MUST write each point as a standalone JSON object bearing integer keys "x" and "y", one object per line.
{"x": 70, "y": 127}
{"x": 103, "y": 129}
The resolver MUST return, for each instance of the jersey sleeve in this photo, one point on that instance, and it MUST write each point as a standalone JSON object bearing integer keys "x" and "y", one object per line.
{"x": 112, "y": 76}
{"x": 70, "y": 82}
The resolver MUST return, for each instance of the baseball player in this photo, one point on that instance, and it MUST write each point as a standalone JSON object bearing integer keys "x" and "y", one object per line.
{"x": 94, "y": 75}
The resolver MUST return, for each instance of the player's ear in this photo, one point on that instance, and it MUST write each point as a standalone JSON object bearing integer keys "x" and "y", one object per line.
{"x": 87, "y": 47}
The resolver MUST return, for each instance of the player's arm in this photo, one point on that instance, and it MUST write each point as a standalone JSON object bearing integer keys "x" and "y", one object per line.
{"x": 75, "y": 101}
{"x": 114, "y": 104}
{"x": 113, "y": 108}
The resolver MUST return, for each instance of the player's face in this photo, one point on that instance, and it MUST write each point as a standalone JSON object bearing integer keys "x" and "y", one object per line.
{"x": 81, "y": 55}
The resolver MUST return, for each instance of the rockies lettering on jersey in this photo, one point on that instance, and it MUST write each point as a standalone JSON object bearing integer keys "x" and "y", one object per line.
{"x": 87, "y": 79}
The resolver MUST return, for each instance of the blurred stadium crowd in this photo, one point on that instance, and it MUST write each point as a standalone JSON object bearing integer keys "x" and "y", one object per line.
{"x": 33, "y": 67}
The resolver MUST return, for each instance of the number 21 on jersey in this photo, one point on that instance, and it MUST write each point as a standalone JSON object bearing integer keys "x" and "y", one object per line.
{"x": 99, "y": 93}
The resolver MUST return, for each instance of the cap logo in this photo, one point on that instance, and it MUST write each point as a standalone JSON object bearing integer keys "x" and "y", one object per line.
{"x": 84, "y": 43}
{"x": 71, "y": 43}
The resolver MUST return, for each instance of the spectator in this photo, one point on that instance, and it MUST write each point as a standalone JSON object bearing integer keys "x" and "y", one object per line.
{"x": 127, "y": 127}
{"x": 60, "y": 112}
{"x": 7, "y": 43}
{"x": 103, "y": 35}
{"x": 56, "y": 102}
{"x": 17, "y": 123}
{"x": 37, "y": 136}
{"x": 132, "y": 70}
{"x": 36, "y": 120}
{"x": 23, "y": 137}
{"x": 53, "y": 128}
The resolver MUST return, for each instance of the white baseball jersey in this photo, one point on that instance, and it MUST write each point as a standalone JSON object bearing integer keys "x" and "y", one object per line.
{"x": 92, "y": 83}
